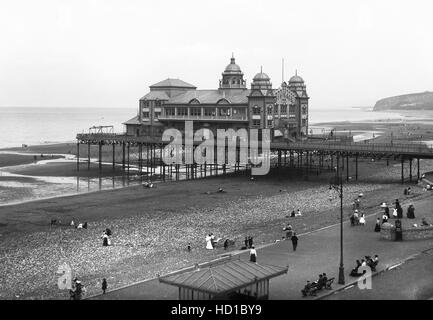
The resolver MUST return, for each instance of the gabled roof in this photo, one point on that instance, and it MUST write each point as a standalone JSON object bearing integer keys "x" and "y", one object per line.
{"x": 225, "y": 277}
{"x": 132, "y": 121}
{"x": 209, "y": 97}
{"x": 176, "y": 83}
{"x": 154, "y": 95}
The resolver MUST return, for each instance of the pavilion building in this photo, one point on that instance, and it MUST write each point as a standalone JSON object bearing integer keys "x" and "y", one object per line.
{"x": 171, "y": 102}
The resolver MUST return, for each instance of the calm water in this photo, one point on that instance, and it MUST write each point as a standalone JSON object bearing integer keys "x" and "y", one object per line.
{"x": 33, "y": 126}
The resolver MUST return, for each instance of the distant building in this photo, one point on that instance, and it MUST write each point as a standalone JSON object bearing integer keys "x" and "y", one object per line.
{"x": 172, "y": 101}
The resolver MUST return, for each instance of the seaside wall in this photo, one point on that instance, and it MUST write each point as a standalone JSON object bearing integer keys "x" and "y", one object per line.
{"x": 387, "y": 232}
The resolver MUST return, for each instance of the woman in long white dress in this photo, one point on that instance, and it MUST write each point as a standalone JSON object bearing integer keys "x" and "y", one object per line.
{"x": 362, "y": 220}
{"x": 253, "y": 254}
{"x": 209, "y": 242}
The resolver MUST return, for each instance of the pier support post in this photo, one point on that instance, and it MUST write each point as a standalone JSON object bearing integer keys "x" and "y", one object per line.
{"x": 279, "y": 158}
{"x": 78, "y": 156}
{"x": 418, "y": 177}
{"x": 129, "y": 146}
{"x": 123, "y": 156}
{"x": 100, "y": 155}
{"x": 114, "y": 155}
{"x": 356, "y": 168}
{"x": 88, "y": 155}
{"x": 347, "y": 167}
{"x": 147, "y": 159}
{"x": 410, "y": 170}
{"x": 402, "y": 172}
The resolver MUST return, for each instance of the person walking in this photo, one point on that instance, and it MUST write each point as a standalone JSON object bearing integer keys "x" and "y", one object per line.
{"x": 105, "y": 239}
{"x": 289, "y": 231}
{"x": 377, "y": 226}
{"x": 294, "y": 241}
{"x": 362, "y": 220}
{"x": 253, "y": 254}
{"x": 104, "y": 285}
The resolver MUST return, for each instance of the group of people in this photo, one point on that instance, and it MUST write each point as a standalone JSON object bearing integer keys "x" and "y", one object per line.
{"x": 396, "y": 214}
{"x": 312, "y": 287}
{"x": 367, "y": 261}
{"x": 211, "y": 241}
{"x": 357, "y": 218}
{"x": 106, "y": 241}
{"x": 248, "y": 242}
{"x": 77, "y": 290}
{"x": 291, "y": 235}
{"x": 79, "y": 225}
{"x": 407, "y": 191}
{"x": 295, "y": 214}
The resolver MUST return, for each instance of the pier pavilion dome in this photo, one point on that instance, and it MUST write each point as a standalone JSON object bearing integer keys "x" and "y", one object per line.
{"x": 296, "y": 79}
{"x": 232, "y": 68}
{"x": 261, "y": 81}
{"x": 232, "y": 77}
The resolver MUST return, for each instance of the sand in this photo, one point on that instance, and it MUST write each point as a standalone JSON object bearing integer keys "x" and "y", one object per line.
{"x": 152, "y": 227}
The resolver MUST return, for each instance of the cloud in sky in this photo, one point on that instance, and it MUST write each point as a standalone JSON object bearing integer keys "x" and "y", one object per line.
{"x": 106, "y": 53}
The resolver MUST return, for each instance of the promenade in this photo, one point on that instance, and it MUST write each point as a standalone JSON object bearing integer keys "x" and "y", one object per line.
{"x": 318, "y": 252}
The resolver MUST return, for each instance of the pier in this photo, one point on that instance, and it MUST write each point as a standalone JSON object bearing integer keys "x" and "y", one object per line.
{"x": 310, "y": 157}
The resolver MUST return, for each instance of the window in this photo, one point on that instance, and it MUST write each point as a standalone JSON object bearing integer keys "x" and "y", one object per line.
{"x": 223, "y": 112}
{"x": 195, "y": 111}
{"x": 283, "y": 108}
{"x": 146, "y": 114}
{"x": 157, "y": 114}
{"x": 256, "y": 110}
{"x": 182, "y": 111}
{"x": 170, "y": 111}
{"x": 146, "y": 103}
{"x": 157, "y": 103}
{"x": 256, "y": 122}
{"x": 269, "y": 122}
{"x": 276, "y": 109}
{"x": 209, "y": 112}
{"x": 304, "y": 109}
{"x": 270, "y": 107}
{"x": 304, "y": 122}
{"x": 292, "y": 109}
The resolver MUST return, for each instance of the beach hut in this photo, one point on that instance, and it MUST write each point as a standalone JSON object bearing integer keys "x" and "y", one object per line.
{"x": 234, "y": 279}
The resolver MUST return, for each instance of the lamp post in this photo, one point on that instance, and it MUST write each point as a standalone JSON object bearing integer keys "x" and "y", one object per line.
{"x": 337, "y": 185}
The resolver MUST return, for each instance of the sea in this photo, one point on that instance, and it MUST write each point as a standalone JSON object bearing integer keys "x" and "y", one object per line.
{"x": 42, "y": 125}
{"x": 39, "y": 126}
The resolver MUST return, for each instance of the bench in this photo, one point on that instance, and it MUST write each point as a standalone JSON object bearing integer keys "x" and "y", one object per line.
{"x": 311, "y": 291}
{"x": 328, "y": 284}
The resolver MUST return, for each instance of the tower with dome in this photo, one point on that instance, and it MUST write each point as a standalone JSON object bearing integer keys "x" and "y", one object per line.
{"x": 170, "y": 102}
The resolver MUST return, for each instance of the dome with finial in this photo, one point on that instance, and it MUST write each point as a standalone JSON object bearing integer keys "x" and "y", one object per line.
{"x": 261, "y": 76}
{"x": 296, "y": 78}
{"x": 261, "y": 80}
{"x": 232, "y": 67}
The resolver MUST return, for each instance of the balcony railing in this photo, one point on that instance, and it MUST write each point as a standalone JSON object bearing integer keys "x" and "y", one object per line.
{"x": 204, "y": 117}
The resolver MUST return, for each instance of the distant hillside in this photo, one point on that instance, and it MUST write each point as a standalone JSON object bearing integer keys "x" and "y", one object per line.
{"x": 414, "y": 101}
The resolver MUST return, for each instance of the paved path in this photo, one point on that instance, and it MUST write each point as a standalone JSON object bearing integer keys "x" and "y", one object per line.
{"x": 317, "y": 252}
{"x": 413, "y": 280}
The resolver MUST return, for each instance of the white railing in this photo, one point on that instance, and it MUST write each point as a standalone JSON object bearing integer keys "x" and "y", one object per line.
{"x": 205, "y": 117}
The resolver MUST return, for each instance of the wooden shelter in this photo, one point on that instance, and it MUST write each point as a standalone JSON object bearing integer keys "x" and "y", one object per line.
{"x": 234, "y": 279}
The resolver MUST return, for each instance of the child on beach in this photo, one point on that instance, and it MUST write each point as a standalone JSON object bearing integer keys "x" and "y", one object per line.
{"x": 253, "y": 254}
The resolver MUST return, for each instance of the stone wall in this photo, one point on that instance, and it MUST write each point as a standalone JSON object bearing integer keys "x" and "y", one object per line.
{"x": 387, "y": 232}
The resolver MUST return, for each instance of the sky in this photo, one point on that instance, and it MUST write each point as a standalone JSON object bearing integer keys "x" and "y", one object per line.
{"x": 106, "y": 53}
